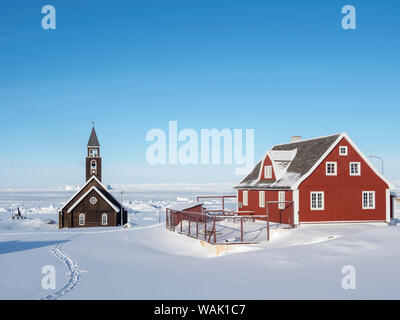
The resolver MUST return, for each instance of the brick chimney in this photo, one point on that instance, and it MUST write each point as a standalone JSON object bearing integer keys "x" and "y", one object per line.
{"x": 295, "y": 138}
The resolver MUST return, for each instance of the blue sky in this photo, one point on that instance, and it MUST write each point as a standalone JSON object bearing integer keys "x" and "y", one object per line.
{"x": 282, "y": 68}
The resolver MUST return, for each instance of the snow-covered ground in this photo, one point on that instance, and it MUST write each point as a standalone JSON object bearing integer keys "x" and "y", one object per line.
{"x": 145, "y": 261}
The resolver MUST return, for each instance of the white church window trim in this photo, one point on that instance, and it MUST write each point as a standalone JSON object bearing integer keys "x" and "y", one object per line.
{"x": 104, "y": 219}
{"x": 93, "y": 153}
{"x": 93, "y": 200}
{"x": 81, "y": 219}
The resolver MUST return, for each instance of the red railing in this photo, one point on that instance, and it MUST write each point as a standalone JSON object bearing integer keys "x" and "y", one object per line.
{"x": 206, "y": 223}
{"x": 205, "y": 226}
{"x": 216, "y": 197}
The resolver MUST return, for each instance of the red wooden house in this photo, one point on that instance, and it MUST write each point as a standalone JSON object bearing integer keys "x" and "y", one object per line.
{"x": 321, "y": 180}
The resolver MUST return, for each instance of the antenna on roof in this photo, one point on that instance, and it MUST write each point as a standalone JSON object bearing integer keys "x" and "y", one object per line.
{"x": 92, "y": 123}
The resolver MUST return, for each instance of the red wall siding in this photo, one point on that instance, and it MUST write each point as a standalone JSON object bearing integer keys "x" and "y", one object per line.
{"x": 185, "y": 215}
{"x": 267, "y": 162}
{"x": 343, "y": 193}
{"x": 276, "y": 215}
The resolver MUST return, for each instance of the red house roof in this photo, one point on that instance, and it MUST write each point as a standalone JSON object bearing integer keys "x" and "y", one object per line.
{"x": 293, "y": 162}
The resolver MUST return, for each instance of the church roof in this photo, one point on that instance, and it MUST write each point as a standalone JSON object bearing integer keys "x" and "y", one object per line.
{"x": 100, "y": 188}
{"x": 293, "y": 162}
{"x": 115, "y": 208}
{"x": 93, "y": 141}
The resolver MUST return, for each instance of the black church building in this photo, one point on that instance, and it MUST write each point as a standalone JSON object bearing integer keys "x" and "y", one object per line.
{"x": 92, "y": 205}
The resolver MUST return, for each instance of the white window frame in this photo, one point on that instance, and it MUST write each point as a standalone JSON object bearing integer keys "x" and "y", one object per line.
{"x": 317, "y": 193}
{"x": 82, "y": 219}
{"x": 281, "y": 199}
{"x": 245, "y": 198}
{"x": 369, "y": 206}
{"x": 358, "y": 168}
{"x": 344, "y": 153}
{"x": 261, "y": 199}
{"x": 93, "y": 200}
{"x": 268, "y": 172}
{"x": 104, "y": 222}
{"x": 93, "y": 168}
{"x": 326, "y": 168}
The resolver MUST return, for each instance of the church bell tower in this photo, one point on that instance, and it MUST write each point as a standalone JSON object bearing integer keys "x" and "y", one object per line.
{"x": 93, "y": 159}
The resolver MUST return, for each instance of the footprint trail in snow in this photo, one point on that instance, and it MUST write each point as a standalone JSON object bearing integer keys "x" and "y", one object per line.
{"x": 73, "y": 273}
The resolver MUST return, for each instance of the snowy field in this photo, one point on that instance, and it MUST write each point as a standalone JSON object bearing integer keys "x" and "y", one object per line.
{"x": 145, "y": 261}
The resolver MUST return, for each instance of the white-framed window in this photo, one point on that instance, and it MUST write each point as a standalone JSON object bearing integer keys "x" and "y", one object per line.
{"x": 104, "y": 219}
{"x": 261, "y": 199}
{"x": 268, "y": 172}
{"x": 281, "y": 199}
{"x": 355, "y": 168}
{"x": 368, "y": 199}
{"x": 93, "y": 166}
{"x": 245, "y": 198}
{"x": 331, "y": 168}
{"x": 93, "y": 200}
{"x": 317, "y": 200}
{"x": 343, "y": 150}
{"x": 93, "y": 153}
{"x": 81, "y": 219}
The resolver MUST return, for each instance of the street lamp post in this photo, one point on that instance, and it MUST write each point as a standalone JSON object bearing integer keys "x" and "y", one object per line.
{"x": 376, "y": 157}
{"x": 122, "y": 211}
{"x": 12, "y": 186}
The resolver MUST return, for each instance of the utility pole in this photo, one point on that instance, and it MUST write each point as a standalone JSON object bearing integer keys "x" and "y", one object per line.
{"x": 372, "y": 156}
{"x": 12, "y": 186}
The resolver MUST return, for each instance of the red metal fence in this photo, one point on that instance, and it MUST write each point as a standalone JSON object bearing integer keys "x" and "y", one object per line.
{"x": 217, "y": 197}
{"x": 227, "y": 228}
{"x": 223, "y": 226}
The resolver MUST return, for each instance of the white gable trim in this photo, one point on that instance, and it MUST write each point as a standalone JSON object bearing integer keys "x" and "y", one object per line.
{"x": 388, "y": 206}
{"x": 367, "y": 161}
{"x": 101, "y": 194}
{"x": 87, "y": 182}
{"x": 267, "y": 154}
{"x": 296, "y": 206}
{"x": 341, "y": 136}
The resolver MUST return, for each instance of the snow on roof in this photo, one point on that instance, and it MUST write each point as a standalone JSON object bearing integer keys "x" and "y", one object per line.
{"x": 100, "y": 193}
{"x": 290, "y": 162}
{"x": 300, "y": 160}
{"x": 281, "y": 160}
{"x": 285, "y": 182}
{"x": 79, "y": 190}
{"x": 283, "y": 155}
{"x": 185, "y": 206}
